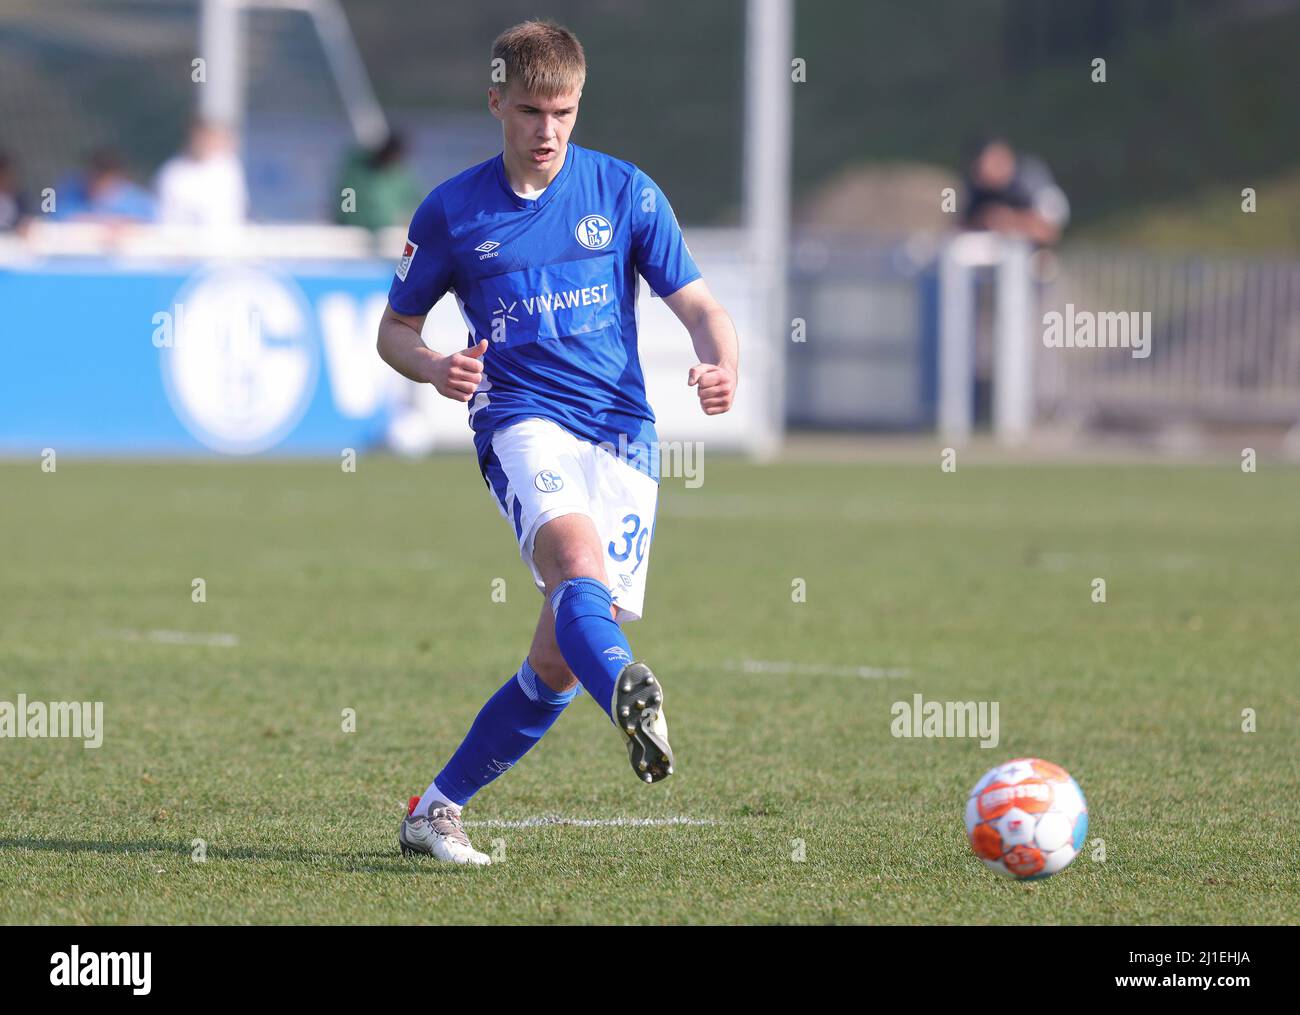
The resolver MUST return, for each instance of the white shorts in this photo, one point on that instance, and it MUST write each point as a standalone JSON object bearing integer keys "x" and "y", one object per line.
{"x": 541, "y": 471}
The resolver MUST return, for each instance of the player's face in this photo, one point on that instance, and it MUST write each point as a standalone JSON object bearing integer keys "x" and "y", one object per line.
{"x": 536, "y": 129}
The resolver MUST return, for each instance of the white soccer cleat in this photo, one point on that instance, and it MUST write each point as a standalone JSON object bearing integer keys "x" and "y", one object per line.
{"x": 439, "y": 834}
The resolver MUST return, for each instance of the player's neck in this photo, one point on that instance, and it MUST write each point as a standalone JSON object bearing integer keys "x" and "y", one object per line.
{"x": 524, "y": 179}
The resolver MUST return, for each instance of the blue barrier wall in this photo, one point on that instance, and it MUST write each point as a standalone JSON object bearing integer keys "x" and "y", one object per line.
{"x": 106, "y": 356}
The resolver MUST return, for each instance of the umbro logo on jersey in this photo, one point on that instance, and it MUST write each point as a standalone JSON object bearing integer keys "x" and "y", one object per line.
{"x": 594, "y": 232}
{"x": 486, "y": 249}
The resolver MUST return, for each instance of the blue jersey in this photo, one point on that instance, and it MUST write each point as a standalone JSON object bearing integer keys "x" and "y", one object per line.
{"x": 552, "y": 285}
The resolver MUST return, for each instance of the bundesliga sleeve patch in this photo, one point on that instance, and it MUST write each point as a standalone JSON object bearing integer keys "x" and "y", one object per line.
{"x": 408, "y": 255}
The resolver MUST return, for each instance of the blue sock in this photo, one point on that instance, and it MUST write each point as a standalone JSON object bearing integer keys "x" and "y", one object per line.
{"x": 591, "y": 643}
{"x": 506, "y": 727}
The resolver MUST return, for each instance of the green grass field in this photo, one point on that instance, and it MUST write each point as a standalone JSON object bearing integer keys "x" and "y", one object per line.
{"x": 373, "y": 591}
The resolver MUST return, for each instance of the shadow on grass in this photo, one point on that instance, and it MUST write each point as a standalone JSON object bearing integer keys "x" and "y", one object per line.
{"x": 363, "y": 862}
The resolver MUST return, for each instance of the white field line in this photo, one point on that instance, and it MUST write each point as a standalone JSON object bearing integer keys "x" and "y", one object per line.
{"x": 775, "y": 507}
{"x": 179, "y": 638}
{"x": 555, "y": 819}
{"x": 816, "y": 669}
{"x": 1055, "y": 560}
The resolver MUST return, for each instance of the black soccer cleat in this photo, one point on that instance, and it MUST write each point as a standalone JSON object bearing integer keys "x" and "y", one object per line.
{"x": 638, "y": 710}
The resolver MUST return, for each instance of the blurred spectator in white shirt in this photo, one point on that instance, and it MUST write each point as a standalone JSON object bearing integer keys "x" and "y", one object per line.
{"x": 204, "y": 184}
{"x": 1013, "y": 193}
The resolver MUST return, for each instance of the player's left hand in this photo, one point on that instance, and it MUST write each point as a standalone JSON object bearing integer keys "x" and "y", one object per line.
{"x": 716, "y": 386}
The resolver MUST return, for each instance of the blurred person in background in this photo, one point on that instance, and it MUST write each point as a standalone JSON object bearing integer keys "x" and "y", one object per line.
{"x": 386, "y": 191}
{"x": 102, "y": 192}
{"x": 1013, "y": 193}
{"x": 15, "y": 210}
{"x": 204, "y": 184}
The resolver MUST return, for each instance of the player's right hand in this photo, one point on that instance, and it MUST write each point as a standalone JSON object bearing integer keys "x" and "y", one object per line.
{"x": 457, "y": 376}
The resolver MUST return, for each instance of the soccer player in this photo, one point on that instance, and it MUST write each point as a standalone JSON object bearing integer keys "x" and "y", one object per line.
{"x": 542, "y": 246}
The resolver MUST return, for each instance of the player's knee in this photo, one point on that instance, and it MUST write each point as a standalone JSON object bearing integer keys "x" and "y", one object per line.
{"x": 564, "y": 550}
{"x": 574, "y": 558}
{"x": 580, "y": 563}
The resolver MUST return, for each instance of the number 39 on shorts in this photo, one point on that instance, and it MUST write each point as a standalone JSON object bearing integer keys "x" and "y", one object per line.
{"x": 631, "y": 541}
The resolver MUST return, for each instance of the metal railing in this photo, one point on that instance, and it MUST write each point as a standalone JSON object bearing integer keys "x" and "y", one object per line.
{"x": 1224, "y": 340}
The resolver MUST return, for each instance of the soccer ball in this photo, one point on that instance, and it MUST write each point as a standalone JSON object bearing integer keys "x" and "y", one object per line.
{"x": 1026, "y": 819}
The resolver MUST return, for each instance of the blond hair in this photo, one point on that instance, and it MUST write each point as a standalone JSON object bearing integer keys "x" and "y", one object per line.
{"x": 542, "y": 58}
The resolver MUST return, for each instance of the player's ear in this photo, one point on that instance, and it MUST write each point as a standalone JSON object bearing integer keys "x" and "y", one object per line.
{"x": 494, "y": 101}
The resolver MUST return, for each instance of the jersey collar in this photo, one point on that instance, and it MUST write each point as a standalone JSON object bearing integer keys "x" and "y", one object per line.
{"x": 560, "y": 179}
